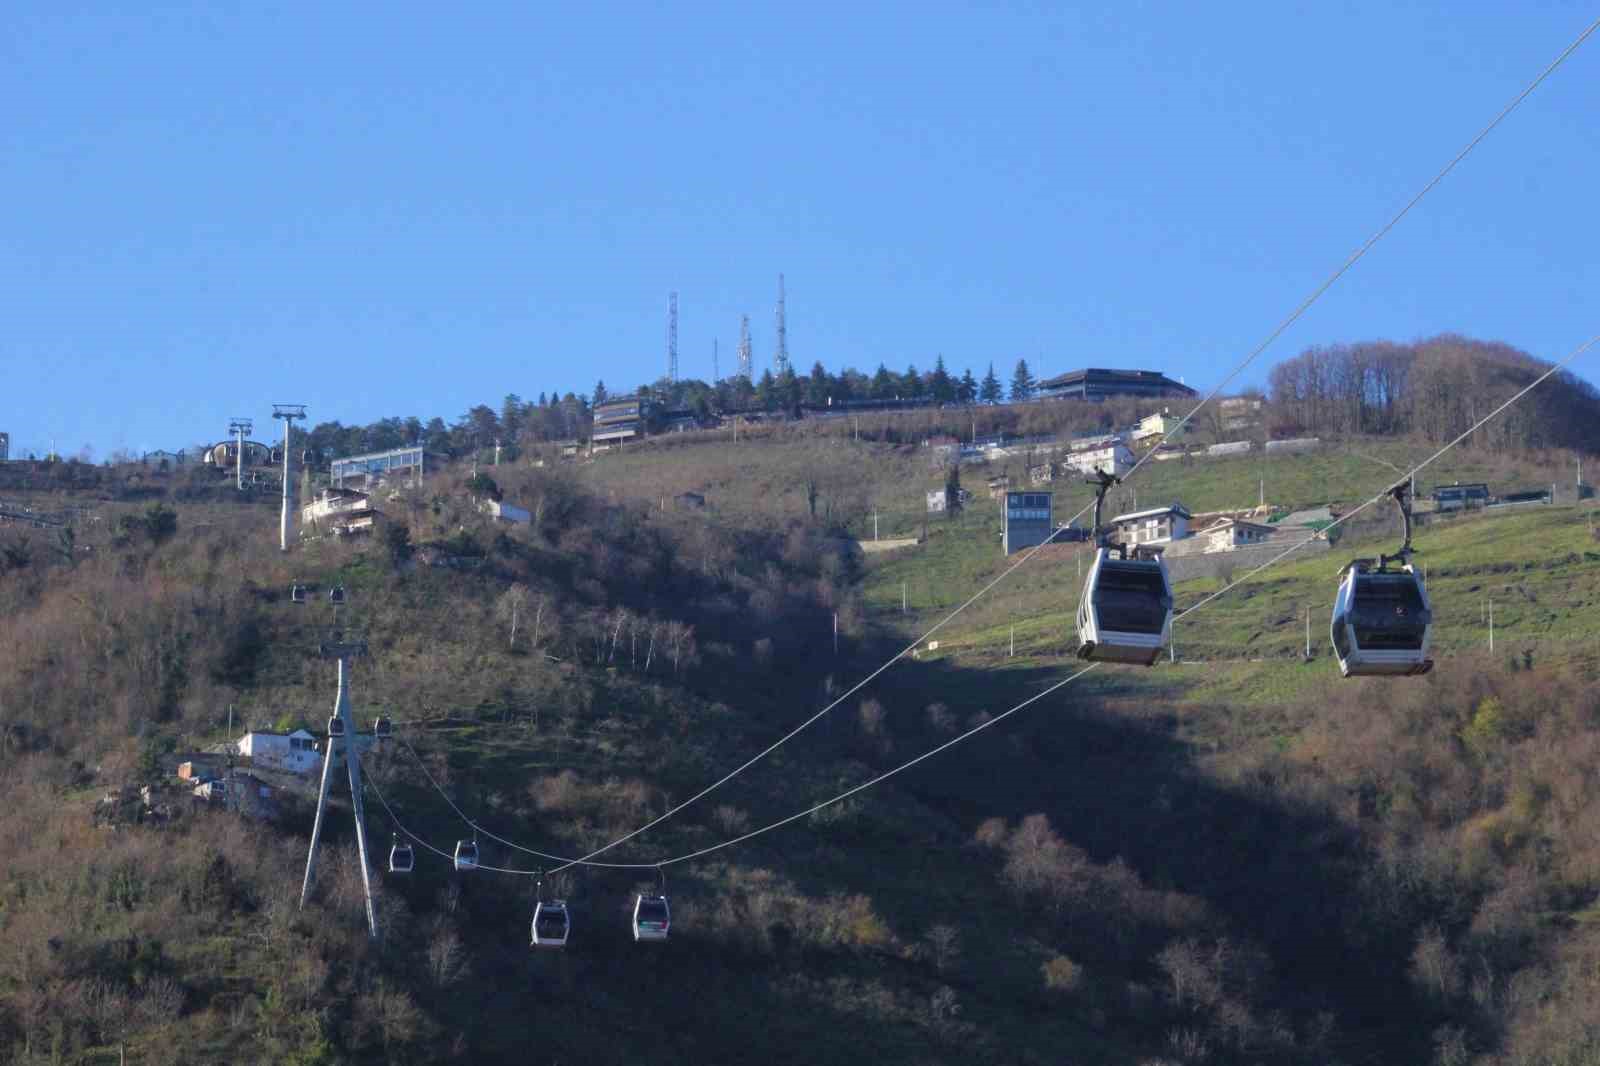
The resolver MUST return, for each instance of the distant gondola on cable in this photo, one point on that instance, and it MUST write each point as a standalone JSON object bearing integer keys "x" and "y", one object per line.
{"x": 401, "y": 858}
{"x": 335, "y": 726}
{"x": 1125, "y": 613}
{"x": 652, "y": 915}
{"x": 382, "y": 728}
{"x": 1382, "y": 620}
{"x": 466, "y": 855}
{"x": 551, "y": 921}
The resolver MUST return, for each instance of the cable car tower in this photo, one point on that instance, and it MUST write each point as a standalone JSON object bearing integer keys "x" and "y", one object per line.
{"x": 342, "y": 730}
{"x": 288, "y": 412}
{"x": 240, "y": 428}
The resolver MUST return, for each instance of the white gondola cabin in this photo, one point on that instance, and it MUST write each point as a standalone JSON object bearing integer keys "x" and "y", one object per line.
{"x": 466, "y": 855}
{"x": 1382, "y": 621}
{"x": 401, "y": 858}
{"x": 1125, "y": 615}
{"x": 652, "y": 918}
{"x": 551, "y": 924}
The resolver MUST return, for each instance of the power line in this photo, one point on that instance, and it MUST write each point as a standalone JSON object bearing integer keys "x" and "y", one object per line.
{"x": 1272, "y": 336}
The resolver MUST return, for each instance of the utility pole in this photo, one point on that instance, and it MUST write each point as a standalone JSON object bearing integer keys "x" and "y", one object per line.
{"x": 288, "y": 412}
{"x": 239, "y": 427}
{"x": 903, "y": 597}
{"x": 874, "y": 524}
{"x": 343, "y": 651}
{"x": 1308, "y": 633}
{"x": 1491, "y": 625}
{"x": 835, "y": 634}
{"x": 1013, "y": 654}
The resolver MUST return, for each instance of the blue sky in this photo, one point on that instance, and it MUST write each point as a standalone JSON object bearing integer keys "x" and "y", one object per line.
{"x": 405, "y": 209}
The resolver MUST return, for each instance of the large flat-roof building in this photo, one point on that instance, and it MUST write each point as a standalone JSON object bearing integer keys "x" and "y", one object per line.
{"x": 369, "y": 469}
{"x": 1098, "y": 383}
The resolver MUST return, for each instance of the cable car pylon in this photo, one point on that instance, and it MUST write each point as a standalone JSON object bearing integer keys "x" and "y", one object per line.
{"x": 343, "y": 651}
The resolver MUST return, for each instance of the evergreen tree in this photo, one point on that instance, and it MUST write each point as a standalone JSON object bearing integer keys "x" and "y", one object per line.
{"x": 818, "y": 384}
{"x": 600, "y": 393}
{"x": 952, "y": 489}
{"x": 967, "y": 388}
{"x": 940, "y": 384}
{"x": 989, "y": 391}
{"x": 1022, "y": 383}
{"x": 911, "y": 385}
{"x": 767, "y": 390}
{"x": 884, "y": 384}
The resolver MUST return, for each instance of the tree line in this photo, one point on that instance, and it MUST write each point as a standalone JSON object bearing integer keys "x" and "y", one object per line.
{"x": 1434, "y": 389}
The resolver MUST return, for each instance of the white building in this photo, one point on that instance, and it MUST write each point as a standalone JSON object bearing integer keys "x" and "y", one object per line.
{"x": 340, "y": 511}
{"x": 1115, "y": 459}
{"x": 1232, "y": 447}
{"x": 295, "y": 752}
{"x": 1159, "y": 525}
{"x": 1231, "y": 533}
{"x": 1152, "y": 428}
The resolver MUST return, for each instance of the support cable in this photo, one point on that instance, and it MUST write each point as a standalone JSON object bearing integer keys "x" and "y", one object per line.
{"x": 952, "y": 742}
{"x": 1276, "y": 332}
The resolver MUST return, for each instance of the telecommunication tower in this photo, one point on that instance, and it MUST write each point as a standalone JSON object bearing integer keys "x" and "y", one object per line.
{"x": 780, "y": 356}
{"x": 288, "y": 412}
{"x": 716, "y": 370}
{"x": 672, "y": 337}
{"x": 745, "y": 360}
{"x": 240, "y": 428}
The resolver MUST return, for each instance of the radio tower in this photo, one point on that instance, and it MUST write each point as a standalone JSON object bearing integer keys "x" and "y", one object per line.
{"x": 780, "y": 357}
{"x": 672, "y": 337}
{"x": 745, "y": 360}
{"x": 716, "y": 368}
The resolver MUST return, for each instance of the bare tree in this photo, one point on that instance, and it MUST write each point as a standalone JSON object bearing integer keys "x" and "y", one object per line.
{"x": 510, "y": 607}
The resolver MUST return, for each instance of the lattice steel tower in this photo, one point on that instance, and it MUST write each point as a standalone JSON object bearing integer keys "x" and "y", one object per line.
{"x": 672, "y": 337}
{"x": 745, "y": 360}
{"x": 780, "y": 356}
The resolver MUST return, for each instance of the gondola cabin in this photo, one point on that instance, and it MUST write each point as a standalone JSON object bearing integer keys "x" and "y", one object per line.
{"x": 382, "y": 728}
{"x": 466, "y": 855}
{"x": 1382, "y": 621}
{"x": 1125, "y": 614}
{"x": 401, "y": 859}
{"x": 652, "y": 918}
{"x": 335, "y": 726}
{"x": 551, "y": 924}
{"x": 297, "y": 594}
{"x": 336, "y": 595}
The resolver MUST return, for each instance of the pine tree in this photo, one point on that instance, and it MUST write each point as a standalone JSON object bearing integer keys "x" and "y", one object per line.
{"x": 600, "y": 393}
{"x": 884, "y": 385}
{"x": 967, "y": 388}
{"x": 989, "y": 391}
{"x": 940, "y": 384}
{"x": 911, "y": 382}
{"x": 1021, "y": 383}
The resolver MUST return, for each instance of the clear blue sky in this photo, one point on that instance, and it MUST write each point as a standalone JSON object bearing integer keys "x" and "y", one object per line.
{"x": 407, "y": 209}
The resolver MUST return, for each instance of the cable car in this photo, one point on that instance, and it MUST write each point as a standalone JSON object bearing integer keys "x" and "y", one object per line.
{"x": 336, "y": 595}
{"x": 1382, "y": 619}
{"x": 297, "y": 594}
{"x": 652, "y": 918}
{"x": 551, "y": 924}
{"x": 382, "y": 729}
{"x": 1125, "y": 612}
{"x": 335, "y": 726}
{"x": 401, "y": 858}
{"x": 466, "y": 855}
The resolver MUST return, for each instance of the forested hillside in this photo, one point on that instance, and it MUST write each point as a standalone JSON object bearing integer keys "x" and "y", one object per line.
{"x": 1235, "y": 859}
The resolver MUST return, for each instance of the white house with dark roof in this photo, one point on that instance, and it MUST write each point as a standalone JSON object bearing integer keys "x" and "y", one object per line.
{"x": 1158, "y": 525}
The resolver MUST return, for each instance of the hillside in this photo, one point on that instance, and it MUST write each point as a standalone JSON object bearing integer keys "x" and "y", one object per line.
{"x": 1224, "y": 860}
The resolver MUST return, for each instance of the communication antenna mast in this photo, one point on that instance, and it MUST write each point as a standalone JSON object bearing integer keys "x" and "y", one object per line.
{"x": 716, "y": 376}
{"x": 745, "y": 359}
{"x": 288, "y": 412}
{"x": 780, "y": 357}
{"x": 240, "y": 428}
{"x": 672, "y": 337}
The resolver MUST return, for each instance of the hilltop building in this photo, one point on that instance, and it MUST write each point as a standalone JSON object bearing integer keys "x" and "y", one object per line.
{"x": 1097, "y": 383}
{"x": 618, "y": 421}
{"x": 340, "y": 512}
{"x": 374, "y": 468}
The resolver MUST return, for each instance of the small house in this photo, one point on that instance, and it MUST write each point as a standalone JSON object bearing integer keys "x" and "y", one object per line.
{"x": 295, "y": 752}
{"x": 508, "y": 513}
{"x": 1115, "y": 459}
{"x": 1231, "y": 533}
{"x": 998, "y": 486}
{"x": 1459, "y": 497}
{"x": 1159, "y": 525}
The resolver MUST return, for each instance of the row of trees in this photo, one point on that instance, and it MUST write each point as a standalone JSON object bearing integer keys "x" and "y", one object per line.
{"x": 1435, "y": 388}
